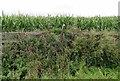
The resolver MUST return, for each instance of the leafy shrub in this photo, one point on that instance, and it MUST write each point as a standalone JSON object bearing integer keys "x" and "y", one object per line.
{"x": 97, "y": 49}
{"x": 53, "y": 54}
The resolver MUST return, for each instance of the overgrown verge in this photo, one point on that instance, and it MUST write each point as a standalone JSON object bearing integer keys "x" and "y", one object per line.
{"x": 59, "y": 54}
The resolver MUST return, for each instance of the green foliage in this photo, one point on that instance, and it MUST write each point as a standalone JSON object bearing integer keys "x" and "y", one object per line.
{"x": 63, "y": 47}
{"x": 98, "y": 23}
{"x": 46, "y": 54}
{"x": 97, "y": 49}
{"x": 31, "y": 23}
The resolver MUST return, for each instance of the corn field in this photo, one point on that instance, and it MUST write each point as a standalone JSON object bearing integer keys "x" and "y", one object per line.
{"x": 31, "y": 23}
